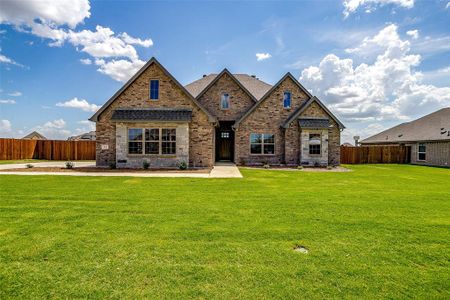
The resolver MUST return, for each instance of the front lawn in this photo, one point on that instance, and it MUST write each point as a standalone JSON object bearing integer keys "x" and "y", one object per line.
{"x": 379, "y": 231}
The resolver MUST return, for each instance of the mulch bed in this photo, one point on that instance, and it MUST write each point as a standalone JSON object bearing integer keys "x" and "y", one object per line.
{"x": 94, "y": 170}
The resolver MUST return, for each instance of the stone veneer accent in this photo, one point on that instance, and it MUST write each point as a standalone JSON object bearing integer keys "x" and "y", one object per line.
{"x": 201, "y": 131}
{"x": 240, "y": 101}
{"x": 268, "y": 118}
{"x": 314, "y": 160}
{"x": 125, "y": 160}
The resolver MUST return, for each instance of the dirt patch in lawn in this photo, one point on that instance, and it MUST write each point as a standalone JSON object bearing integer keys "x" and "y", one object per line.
{"x": 103, "y": 170}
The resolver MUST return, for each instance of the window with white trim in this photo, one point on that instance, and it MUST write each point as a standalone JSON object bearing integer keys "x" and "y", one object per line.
{"x": 152, "y": 141}
{"x": 422, "y": 152}
{"x": 225, "y": 101}
{"x": 262, "y": 143}
{"x": 315, "y": 143}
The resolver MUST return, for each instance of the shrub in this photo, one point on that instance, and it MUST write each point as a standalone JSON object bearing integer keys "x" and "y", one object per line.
{"x": 29, "y": 166}
{"x": 69, "y": 165}
{"x": 300, "y": 167}
{"x": 182, "y": 165}
{"x": 112, "y": 165}
{"x": 146, "y": 164}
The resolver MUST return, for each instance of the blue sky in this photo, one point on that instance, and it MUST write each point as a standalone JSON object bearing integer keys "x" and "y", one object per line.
{"x": 375, "y": 63}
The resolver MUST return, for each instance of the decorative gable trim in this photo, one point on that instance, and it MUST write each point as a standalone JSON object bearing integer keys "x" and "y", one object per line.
{"x": 269, "y": 92}
{"x": 225, "y": 71}
{"x": 302, "y": 108}
{"x": 153, "y": 60}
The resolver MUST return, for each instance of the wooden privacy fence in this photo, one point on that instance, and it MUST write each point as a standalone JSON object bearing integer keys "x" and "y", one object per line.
{"x": 375, "y": 155}
{"x": 46, "y": 149}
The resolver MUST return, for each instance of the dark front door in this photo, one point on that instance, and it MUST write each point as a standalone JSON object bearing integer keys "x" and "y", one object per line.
{"x": 224, "y": 143}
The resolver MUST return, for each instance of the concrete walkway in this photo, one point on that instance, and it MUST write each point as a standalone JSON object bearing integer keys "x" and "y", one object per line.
{"x": 219, "y": 171}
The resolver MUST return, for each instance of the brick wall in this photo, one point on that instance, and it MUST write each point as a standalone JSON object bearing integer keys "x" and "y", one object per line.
{"x": 171, "y": 96}
{"x": 240, "y": 101}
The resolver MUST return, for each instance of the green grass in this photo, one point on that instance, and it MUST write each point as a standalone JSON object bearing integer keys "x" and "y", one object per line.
{"x": 21, "y": 161}
{"x": 379, "y": 231}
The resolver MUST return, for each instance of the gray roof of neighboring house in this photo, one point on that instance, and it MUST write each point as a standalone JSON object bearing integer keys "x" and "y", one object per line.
{"x": 255, "y": 86}
{"x": 152, "y": 114}
{"x": 34, "y": 134}
{"x": 313, "y": 123}
{"x": 432, "y": 127}
{"x": 87, "y": 136}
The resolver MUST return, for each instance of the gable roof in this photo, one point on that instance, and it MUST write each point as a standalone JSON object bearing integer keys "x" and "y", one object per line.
{"x": 34, "y": 134}
{"x": 254, "y": 87}
{"x": 305, "y": 105}
{"x": 151, "y": 114}
{"x": 135, "y": 76}
{"x": 267, "y": 94}
{"x": 432, "y": 127}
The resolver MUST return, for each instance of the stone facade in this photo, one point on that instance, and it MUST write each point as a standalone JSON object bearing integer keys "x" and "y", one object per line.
{"x": 201, "y": 130}
{"x": 240, "y": 101}
{"x": 196, "y": 139}
{"x": 126, "y": 160}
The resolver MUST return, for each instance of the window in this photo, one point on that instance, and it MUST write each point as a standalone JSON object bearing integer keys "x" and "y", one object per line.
{"x": 169, "y": 139}
{"x": 262, "y": 143}
{"x": 225, "y": 101}
{"x": 314, "y": 144}
{"x": 154, "y": 89}
{"x": 422, "y": 152}
{"x": 225, "y": 134}
{"x": 135, "y": 141}
{"x": 287, "y": 99}
{"x": 154, "y": 141}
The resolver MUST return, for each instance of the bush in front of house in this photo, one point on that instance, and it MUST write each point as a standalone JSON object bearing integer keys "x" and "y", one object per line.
{"x": 182, "y": 165}
{"x": 112, "y": 165}
{"x": 146, "y": 164}
{"x": 69, "y": 165}
{"x": 29, "y": 166}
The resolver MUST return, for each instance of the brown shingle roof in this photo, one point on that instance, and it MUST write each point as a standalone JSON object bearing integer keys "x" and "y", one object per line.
{"x": 152, "y": 114}
{"x": 432, "y": 127}
{"x": 255, "y": 86}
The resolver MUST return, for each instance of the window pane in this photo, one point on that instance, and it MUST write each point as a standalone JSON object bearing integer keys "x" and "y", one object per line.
{"x": 421, "y": 156}
{"x": 135, "y": 147}
{"x": 169, "y": 135}
{"x": 135, "y": 134}
{"x": 422, "y": 148}
{"x": 225, "y": 101}
{"x": 152, "y": 134}
{"x": 269, "y": 138}
{"x": 152, "y": 147}
{"x": 287, "y": 99}
{"x": 168, "y": 147}
{"x": 255, "y": 138}
{"x": 154, "y": 89}
{"x": 255, "y": 148}
{"x": 269, "y": 149}
{"x": 314, "y": 149}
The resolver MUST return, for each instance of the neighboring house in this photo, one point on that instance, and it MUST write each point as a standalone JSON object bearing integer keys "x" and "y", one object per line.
{"x": 88, "y": 136}
{"x": 428, "y": 137}
{"x": 34, "y": 136}
{"x": 220, "y": 117}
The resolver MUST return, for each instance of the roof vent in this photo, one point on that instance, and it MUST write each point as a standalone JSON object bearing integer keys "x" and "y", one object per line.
{"x": 254, "y": 76}
{"x": 400, "y": 135}
{"x": 204, "y": 75}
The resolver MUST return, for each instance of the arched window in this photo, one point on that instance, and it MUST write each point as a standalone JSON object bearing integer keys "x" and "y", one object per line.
{"x": 225, "y": 101}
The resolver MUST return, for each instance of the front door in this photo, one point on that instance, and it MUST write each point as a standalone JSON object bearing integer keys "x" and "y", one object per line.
{"x": 224, "y": 143}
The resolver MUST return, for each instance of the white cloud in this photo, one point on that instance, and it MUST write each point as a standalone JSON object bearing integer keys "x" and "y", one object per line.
{"x": 54, "y": 129}
{"x": 350, "y": 6}
{"x": 49, "y": 20}
{"x": 390, "y": 88}
{"x": 15, "y": 94}
{"x": 413, "y": 33}
{"x": 86, "y": 61}
{"x": 262, "y": 56}
{"x": 7, "y": 101}
{"x": 5, "y": 128}
{"x": 10, "y": 61}
{"x": 448, "y": 5}
{"x": 25, "y": 12}
{"x": 86, "y": 126}
{"x": 79, "y": 104}
{"x": 120, "y": 70}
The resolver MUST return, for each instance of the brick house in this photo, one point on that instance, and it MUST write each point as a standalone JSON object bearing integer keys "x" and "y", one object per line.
{"x": 220, "y": 117}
